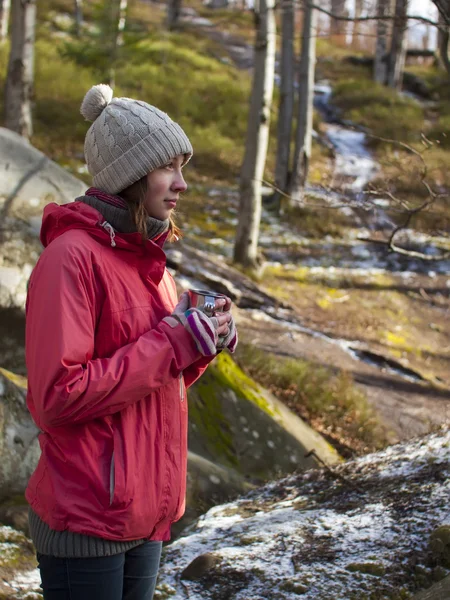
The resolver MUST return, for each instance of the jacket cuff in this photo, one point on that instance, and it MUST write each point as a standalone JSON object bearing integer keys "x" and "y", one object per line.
{"x": 185, "y": 349}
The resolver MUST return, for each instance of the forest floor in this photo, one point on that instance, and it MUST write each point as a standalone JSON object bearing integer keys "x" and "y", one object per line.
{"x": 382, "y": 319}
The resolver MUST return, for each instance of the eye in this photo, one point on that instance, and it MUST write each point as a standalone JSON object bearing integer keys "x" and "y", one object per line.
{"x": 168, "y": 166}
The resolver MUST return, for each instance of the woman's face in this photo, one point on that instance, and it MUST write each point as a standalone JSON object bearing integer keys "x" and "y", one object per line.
{"x": 164, "y": 186}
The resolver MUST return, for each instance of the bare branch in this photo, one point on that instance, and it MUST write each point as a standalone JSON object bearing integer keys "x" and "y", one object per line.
{"x": 381, "y": 17}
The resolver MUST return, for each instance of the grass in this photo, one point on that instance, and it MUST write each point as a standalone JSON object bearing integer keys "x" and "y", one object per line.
{"x": 181, "y": 73}
{"x": 381, "y": 110}
{"x": 328, "y": 400}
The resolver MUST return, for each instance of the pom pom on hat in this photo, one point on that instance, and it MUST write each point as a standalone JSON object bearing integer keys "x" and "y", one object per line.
{"x": 97, "y": 98}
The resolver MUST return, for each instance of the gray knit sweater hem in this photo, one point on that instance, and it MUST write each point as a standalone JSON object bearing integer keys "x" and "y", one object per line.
{"x": 67, "y": 544}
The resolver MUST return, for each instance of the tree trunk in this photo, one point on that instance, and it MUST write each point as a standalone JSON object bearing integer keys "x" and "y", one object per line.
{"x": 286, "y": 108}
{"x": 246, "y": 245}
{"x": 444, "y": 42}
{"x": 115, "y": 25}
{"x": 19, "y": 80}
{"x": 397, "y": 55}
{"x": 78, "y": 16}
{"x": 173, "y": 13}
{"x": 380, "y": 62}
{"x": 357, "y": 24}
{"x": 302, "y": 155}
{"x": 443, "y": 7}
{"x": 5, "y": 6}
{"x": 337, "y": 27}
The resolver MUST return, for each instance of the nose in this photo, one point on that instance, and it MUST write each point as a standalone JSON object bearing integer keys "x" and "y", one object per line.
{"x": 179, "y": 185}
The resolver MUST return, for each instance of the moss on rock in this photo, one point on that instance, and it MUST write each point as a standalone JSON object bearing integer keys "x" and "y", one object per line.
{"x": 440, "y": 545}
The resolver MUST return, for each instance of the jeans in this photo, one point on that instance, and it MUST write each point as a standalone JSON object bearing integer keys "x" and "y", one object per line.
{"x": 127, "y": 576}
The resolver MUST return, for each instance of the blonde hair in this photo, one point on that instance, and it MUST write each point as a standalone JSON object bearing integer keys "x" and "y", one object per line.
{"x": 134, "y": 196}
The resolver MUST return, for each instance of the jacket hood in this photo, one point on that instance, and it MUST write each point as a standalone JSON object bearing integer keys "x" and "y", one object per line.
{"x": 57, "y": 219}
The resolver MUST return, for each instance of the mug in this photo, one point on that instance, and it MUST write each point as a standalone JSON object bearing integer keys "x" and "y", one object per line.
{"x": 205, "y": 301}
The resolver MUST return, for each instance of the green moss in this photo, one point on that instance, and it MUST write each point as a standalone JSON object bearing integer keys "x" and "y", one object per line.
{"x": 231, "y": 375}
{"x": 440, "y": 545}
{"x": 17, "y": 380}
{"x": 369, "y": 568}
{"x": 317, "y": 394}
{"x": 295, "y": 588}
{"x": 205, "y": 412}
{"x": 382, "y": 110}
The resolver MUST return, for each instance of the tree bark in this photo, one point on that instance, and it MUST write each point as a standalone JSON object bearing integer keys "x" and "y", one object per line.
{"x": 357, "y": 24}
{"x": 5, "y": 7}
{"x": 246, "y": 244}
{"x": 173, "y": 13}
{"x": 78, "y": 5}
{"x": 380, "y": 62}
{"x": 444, "y": 43}
{"x": 302, "y": 154}
{"x": 20, "y": 77}
{"x": 115, "y": 24}
{"x": 286, "y": 107}
{"x": 397, "y": 55}
{"x": 443, "y": 7}
{"x": 337, "y": 27}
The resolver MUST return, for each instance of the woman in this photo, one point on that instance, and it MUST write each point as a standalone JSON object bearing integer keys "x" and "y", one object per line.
{"x": 109, "y": 354}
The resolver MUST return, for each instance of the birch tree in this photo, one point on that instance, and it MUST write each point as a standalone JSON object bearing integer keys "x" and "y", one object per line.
{"x": 20, "y": 76}
{"x": 78, "y": 6}
{"x": 337, "y": 26}
{"x": 357, "y": 23}
{"x": 397, "y": 54}
{"x": 115, "y": 20}
{"x": 286, "y": 107}
{"x": 444, "y": 42}
{"x": 5, "y": 6}
{"x": 303, "y": 140}
{"x": 381, "y": 48}
{"x": 246, "y": 244}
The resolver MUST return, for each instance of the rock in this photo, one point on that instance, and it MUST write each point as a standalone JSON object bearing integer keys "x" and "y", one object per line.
{"x": 19, "y": 446}
{"x": 439, "y": 591}
{"x": 211, "y": 270}
{"x": 240, "y": 425}
{"x": 200, "y": 566}
{"x": 16, "y": 516}
{"x": 440, "y": 545}
{"x": 208, "y": 484}
{"x": 359, "y": 530}
{"x": 28, "y": 181}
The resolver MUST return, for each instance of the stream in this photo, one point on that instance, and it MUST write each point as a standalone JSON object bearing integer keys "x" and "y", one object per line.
{"x": 354, "y": 168}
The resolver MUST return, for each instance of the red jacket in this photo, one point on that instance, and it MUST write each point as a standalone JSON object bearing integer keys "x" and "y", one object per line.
{"x": 106, "y": 381}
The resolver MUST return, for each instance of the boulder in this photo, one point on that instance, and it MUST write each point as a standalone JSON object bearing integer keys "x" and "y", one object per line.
{"x": 28, "y": 181}
{"x": 374, "y": 527}
{"x": 19, "y": 446}
{"x": 240, "y": 425}
{"x": 208, "y": 484}
{"x": 19, "y": 577}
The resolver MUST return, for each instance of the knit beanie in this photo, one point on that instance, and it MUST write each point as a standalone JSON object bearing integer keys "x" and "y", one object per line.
{"x": 127, "y": 139}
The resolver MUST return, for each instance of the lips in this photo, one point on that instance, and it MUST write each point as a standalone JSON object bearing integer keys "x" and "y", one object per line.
{"x": 171, "y": 203}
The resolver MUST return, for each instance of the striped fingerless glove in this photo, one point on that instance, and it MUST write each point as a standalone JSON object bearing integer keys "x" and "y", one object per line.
{"x": 229, "y": 341}
{"x": 202, "y": 328}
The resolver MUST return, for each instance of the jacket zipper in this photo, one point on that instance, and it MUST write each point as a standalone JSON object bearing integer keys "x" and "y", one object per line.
{"x": 112, "y": 481}
{"x": 181, "y": 387}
